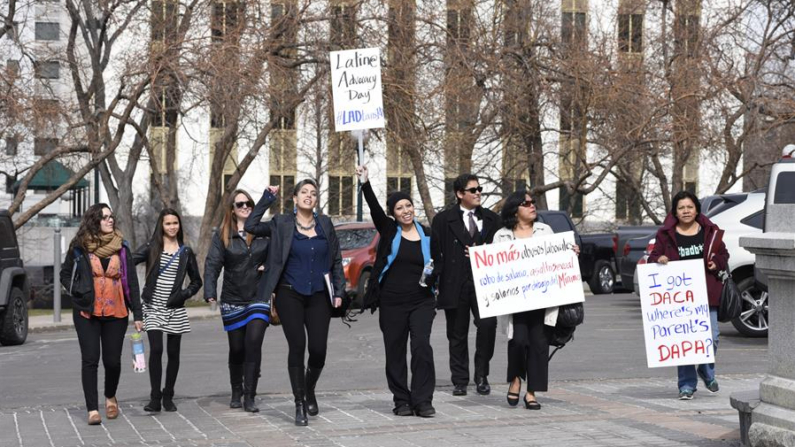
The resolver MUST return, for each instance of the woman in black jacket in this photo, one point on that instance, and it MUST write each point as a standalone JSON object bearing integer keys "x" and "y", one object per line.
{"x": 167, "y": 259}
{"x": 100, "y": 276}
{"x": 303, "y": 256}
{"x": 242, "y": 257}
{"x": 407, "y": 307}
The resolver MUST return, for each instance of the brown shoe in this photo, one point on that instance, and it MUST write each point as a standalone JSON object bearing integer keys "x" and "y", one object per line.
{"x": 94, "y": 418}
{"x": 111, "y": 408}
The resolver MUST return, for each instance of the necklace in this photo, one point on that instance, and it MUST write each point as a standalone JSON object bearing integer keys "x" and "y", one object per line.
{"x": 309, "y": 227}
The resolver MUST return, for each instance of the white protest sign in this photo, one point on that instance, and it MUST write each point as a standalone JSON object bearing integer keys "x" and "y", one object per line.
{"x": 675, "y": 307}
{"x": 356, "y": 87}
{"x": 526, "y": 274}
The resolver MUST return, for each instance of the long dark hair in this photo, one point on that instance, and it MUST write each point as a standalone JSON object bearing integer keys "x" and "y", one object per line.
{"x": 89, "y": 229}
{"x": 685, "y": 195}
{"x": 230, "y": 219}
{"x": 511, "y": 207}
{"x": 156, "y": 243}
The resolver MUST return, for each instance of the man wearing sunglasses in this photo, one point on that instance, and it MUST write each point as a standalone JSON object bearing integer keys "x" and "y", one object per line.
{"x": 454, "y": 230}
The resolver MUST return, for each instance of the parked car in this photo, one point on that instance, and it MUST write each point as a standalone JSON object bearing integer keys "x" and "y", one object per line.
{"x": 633, "y": 251}
{"x": 14, "y": 288}
{"x": 358, "y": 243}
{"x": 624, "y": 234}
{"x": 597, "y": 252}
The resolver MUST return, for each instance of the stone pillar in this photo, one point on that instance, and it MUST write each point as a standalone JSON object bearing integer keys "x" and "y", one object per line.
{"x": 773, "y": 421}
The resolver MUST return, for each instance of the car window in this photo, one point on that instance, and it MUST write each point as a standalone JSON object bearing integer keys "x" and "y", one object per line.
{"x": 729, "y": 202}
{"x": 756, "y": 220}
{"x": 558, "y": 222}
{"x": 6, "y": 233}
{"x": 358, "y": 238}
{"x": 785, "y": 188}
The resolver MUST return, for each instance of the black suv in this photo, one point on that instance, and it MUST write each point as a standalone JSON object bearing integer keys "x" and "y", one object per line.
{"x": 14, "y": 288}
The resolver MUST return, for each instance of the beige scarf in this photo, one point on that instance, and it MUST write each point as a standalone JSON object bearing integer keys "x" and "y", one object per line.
{"x": 107, "y": 245}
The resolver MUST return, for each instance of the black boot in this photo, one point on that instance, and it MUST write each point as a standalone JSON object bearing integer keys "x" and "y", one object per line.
{"x": 299, "y": 390}
{"x": 250, "y": 377}
{"x": 168, "y": 402}
{"x": 236, "y": 379}
{"x": 154, "y": 402}
{"x": 312, "y": 374}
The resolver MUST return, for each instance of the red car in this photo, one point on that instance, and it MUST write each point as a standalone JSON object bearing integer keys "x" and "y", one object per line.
{"x": 358, "y": 241}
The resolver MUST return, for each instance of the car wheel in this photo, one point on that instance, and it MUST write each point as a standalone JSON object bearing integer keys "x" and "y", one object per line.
{"x": 603, "y": 279}
{"x": 361, "y": 288}
{"x": 753, "y": 320}
{"x": 14, "y": 330}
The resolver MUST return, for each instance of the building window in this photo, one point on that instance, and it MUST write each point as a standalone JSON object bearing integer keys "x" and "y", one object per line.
{"x": 285, "y": 118}
{"x": 286, "y": 183}
{"x": 225, "y": 19}
{"x": 12, "y": 68}
{"x": 687, "y": 40}
{"x": 340, "y": 195}
{"x": 394, "y": 184}
{"x": 12, "y": 144}
{"x": 165, "y": 114}
{"x": 217, "y": 119}
{"x": 47, "y": 69}
{"x": 343, "y": 24}
{"x": 458, "y": 24}
{"x": 630, "y": 33}
{"x": 566, "y": 201}
{"x": 573, "y": 29}
{"x": 48, "y": 31}
{"x": 691, "y": 187}
{"x": 43, "y": 146}
{"x": 164, "y": 21}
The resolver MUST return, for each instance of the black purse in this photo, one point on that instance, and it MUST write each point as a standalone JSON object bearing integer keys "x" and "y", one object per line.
{"x": 730, "y": 299}
{"x": 570, "y": 315}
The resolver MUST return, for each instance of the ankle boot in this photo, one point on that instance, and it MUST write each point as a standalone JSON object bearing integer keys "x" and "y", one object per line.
{"x": 168, "y": 402}
{"x": 250, "y": 377}
{"x": 154, "y": 402}
{"x": 312, "y": 374}
{"x": 297, "y": 381}
{"x": 236, "y": 380}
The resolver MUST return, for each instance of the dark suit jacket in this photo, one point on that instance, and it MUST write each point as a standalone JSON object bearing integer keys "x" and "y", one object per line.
{"x": 281, "y": 229}
{"x": 449, "y": 237}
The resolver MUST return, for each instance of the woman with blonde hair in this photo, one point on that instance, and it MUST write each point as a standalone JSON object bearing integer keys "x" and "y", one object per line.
{"x": 241, "y": 255}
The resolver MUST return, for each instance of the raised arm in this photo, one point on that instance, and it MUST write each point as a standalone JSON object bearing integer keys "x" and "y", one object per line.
{"x": 254, "y": 224}
{"x": 380, "y": 219}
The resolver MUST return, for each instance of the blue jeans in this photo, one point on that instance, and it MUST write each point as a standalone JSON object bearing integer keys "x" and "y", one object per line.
{"x": 689, "y": 374}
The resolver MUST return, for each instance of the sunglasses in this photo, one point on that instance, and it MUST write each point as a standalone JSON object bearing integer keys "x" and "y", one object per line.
{"x": 474, "y": 190}
{"x": 528, "y": 203}
{"x": 248, "y": 204}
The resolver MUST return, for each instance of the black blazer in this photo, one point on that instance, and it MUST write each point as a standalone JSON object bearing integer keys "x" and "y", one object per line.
{"x": 281, "y": 229}
{"x": 81, "y": 287}
{"x": 241, "y": 268}
{"x": 387, "y": 228}
{"x": 187, "y": 264}
{"x": 449, "y": 237}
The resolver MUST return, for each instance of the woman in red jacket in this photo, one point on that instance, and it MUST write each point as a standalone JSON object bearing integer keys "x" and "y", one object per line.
{"x": 686, "y": 234}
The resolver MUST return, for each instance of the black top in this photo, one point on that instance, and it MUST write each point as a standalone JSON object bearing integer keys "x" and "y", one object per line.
{"x": 307, "y": 262}
{"x": 690, "y": 247}
{"x": 401, "y": 284}
{"x": 240, "y": 263}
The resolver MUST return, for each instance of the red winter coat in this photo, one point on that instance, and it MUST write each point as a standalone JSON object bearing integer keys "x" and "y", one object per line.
{"x": 665, "y": 244}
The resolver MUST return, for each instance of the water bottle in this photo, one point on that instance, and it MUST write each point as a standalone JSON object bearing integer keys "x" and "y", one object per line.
{"x": 137, "y": 347}
{"x": 426, "y": 272}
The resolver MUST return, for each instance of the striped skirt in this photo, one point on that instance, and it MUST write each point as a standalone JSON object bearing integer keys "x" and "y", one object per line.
{"x": 236, "y": 316}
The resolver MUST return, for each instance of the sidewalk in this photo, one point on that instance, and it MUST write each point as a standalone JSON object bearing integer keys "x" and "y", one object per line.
{"x": 45, "y": 323}
{"x": 579, "y": 413}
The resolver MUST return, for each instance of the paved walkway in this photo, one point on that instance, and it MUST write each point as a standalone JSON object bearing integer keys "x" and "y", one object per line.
{"x": 45, "y": 323}
{"x": 579, "y": 413}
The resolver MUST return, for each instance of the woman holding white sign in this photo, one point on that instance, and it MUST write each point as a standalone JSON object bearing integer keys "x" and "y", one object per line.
{"x": 403, "y": 291}
{"x": 688, "y": 234}
{"x": 528, "y": 346}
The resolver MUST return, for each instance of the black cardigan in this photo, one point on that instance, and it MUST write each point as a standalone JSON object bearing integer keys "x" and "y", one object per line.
{"x": 187, "y": 263}
{"x": 387, "y": 228}
{"x": 281, "y": 229}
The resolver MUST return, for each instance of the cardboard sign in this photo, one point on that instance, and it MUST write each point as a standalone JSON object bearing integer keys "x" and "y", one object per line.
{"x": 526, "y": 274}
{"x": 356, "y": 86}
{"x": 675, "y": 307}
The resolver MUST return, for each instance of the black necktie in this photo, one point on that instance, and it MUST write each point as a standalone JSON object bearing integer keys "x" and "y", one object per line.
{"x": 473, "y": 226}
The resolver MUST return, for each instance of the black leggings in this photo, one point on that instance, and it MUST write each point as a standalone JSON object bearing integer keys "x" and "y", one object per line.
{"x": 156, "y": 360}
{"x": 97, "y": 335}
{"x": 245, "y": 343}
{"x": 304, "y": 317}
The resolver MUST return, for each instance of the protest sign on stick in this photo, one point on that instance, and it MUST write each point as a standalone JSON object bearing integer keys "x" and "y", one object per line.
{"x": 526, "y": 274}
{"x": 675, "y": 307}
{"x": 356, "y": 86}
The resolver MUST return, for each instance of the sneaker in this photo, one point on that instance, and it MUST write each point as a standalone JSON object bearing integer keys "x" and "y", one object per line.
{"x": 712, "y": 386}
{"x": 686, "y": 395}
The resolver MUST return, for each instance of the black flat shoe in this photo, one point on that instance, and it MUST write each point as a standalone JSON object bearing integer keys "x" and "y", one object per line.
{"x": 460, "y": 390}
{"x": 513, "y": 399}
{"x": 531, "y": 404}
{"x": 425, "y": 410}
{"x": 403, "y": 410}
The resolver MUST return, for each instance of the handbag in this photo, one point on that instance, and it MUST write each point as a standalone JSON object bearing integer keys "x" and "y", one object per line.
{"x": 274, "y": 316}
{"x": 730, "y": 306}
{"x": 570, "y": 315}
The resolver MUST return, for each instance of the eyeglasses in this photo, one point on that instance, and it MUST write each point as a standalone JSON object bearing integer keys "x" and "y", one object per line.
{"x": 474, "y": 190}
{"x": 248, "y": 204}
{"x": 528, "y": 203}
{"x": 108, "y": 217}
